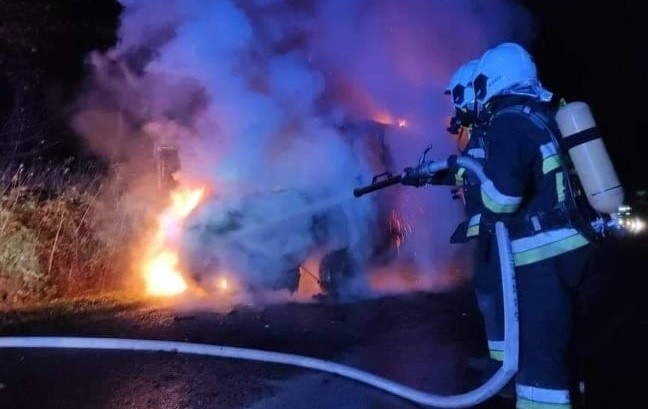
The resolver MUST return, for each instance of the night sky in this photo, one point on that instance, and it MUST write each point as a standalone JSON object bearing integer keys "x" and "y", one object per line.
{"x": 596, "y": 53}
{"x": 585, "y": 51}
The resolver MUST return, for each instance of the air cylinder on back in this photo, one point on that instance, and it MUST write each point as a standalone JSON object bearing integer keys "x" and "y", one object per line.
{"x": 590, "y": 157}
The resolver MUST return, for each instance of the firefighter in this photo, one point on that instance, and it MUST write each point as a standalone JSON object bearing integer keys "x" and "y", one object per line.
{"x": 485, "y": 260}
{"x": 463, "y": 125}
{"x": 526, "y": 189}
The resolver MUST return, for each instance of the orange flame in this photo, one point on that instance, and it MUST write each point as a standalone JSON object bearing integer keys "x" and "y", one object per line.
{"x": 223, "y": 284}
{"x": 162, "y": 275}
{"x": 386, "y": 118}
{"x": 160, "y": 268}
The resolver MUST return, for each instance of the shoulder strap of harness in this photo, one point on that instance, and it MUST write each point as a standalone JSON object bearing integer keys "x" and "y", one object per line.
{"x": 527, "y": 111}
{"x": 573, "y": 210}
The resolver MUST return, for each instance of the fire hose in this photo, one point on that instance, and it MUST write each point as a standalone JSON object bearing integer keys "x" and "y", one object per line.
{"x": 482, "y": 393}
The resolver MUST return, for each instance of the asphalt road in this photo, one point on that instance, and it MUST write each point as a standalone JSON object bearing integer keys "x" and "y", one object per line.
{"x": 423, "y": 340}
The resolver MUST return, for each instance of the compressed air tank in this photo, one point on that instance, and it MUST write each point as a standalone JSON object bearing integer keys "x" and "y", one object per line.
{"x": 591, "y": 161}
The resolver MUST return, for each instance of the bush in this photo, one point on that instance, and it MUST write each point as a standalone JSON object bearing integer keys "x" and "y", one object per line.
{"x": 63, "y": 233}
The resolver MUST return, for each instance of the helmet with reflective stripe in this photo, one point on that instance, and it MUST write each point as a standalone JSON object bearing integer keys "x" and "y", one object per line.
{"x": 501, "y": 68}
{"x": 460, "y": 86}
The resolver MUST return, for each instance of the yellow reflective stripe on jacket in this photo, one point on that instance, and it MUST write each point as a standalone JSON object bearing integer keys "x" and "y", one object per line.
{"x": 473, "y": 225}
{"x": 549, "y": 164}
{"x": 545, "y": 245}
{"x": 497, "y": 202}
{"x": 532, "y": 397}
{"x": 459, "y": 180}
{"x": 560, "y": 187}
{"x": 550, "y": 158}
{"x": 473, "y": 231}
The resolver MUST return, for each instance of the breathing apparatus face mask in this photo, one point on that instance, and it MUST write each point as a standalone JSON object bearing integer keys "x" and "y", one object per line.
{"x": 463, "y": 118}
{"x": 479, "y": 84}
{"x": 460, "y": 126}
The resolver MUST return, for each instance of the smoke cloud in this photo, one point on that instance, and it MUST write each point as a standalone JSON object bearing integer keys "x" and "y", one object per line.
{"x": 281, "y": 108}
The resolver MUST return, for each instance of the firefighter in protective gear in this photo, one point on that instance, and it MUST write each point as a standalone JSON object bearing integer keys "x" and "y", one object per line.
{"x": 526, "y": 189}
{"x": 460, "y": 89}
{"x": 485, "y": 259}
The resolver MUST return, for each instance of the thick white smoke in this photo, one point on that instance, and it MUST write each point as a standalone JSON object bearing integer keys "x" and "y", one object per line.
{"x": 268, "y": 101}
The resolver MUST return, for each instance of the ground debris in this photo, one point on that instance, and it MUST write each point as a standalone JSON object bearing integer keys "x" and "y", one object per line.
{"x": 183, "y": 317}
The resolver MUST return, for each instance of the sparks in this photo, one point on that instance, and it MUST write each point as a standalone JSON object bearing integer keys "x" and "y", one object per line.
{"x": 399, "y": 229}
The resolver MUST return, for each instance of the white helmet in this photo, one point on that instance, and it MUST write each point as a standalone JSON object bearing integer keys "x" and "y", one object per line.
{"x": 502, "y": 68}
{"x": 460, "y": 86}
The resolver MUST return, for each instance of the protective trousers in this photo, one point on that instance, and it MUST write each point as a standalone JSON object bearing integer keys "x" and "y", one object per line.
{"x": 548, "y": 291}
{"x": 488, "y": 288}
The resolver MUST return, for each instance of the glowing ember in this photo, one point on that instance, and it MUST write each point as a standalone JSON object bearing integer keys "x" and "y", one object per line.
{"x": 402, "y": 123}
{"x": 160, "y": 269}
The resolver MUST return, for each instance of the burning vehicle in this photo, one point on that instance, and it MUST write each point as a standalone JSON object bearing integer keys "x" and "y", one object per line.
{"x": 205, "y": 114}
{"x": 232, "y": 236}
{"x": 262, "y": 240}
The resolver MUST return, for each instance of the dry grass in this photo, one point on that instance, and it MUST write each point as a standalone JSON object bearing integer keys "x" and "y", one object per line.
{"x": 63, "y": 234}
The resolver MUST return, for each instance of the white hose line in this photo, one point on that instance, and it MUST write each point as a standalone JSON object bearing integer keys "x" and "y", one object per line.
{"x": 468, "y": 399}
{"x": 121, "y": 344}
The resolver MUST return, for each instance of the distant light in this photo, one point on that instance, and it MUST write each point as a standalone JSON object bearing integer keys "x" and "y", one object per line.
{"x": 634, "y": 225}
{"x": 637, "y": 225}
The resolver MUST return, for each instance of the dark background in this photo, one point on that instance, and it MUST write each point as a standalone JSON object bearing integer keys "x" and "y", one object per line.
{"x": 43, "y": 44}
{"x": 596, "y": 53}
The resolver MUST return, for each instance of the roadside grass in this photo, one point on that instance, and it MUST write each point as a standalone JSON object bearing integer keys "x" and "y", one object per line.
{"x": 65, "y": 233}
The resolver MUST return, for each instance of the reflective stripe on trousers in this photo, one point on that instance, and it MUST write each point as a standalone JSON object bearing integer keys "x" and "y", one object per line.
{"x": 496, "y": 350}
{"x": 530, "y": 397}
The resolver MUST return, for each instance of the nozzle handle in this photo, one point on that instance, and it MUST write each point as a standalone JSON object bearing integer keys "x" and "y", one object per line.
{"x": 377, "y": 184}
